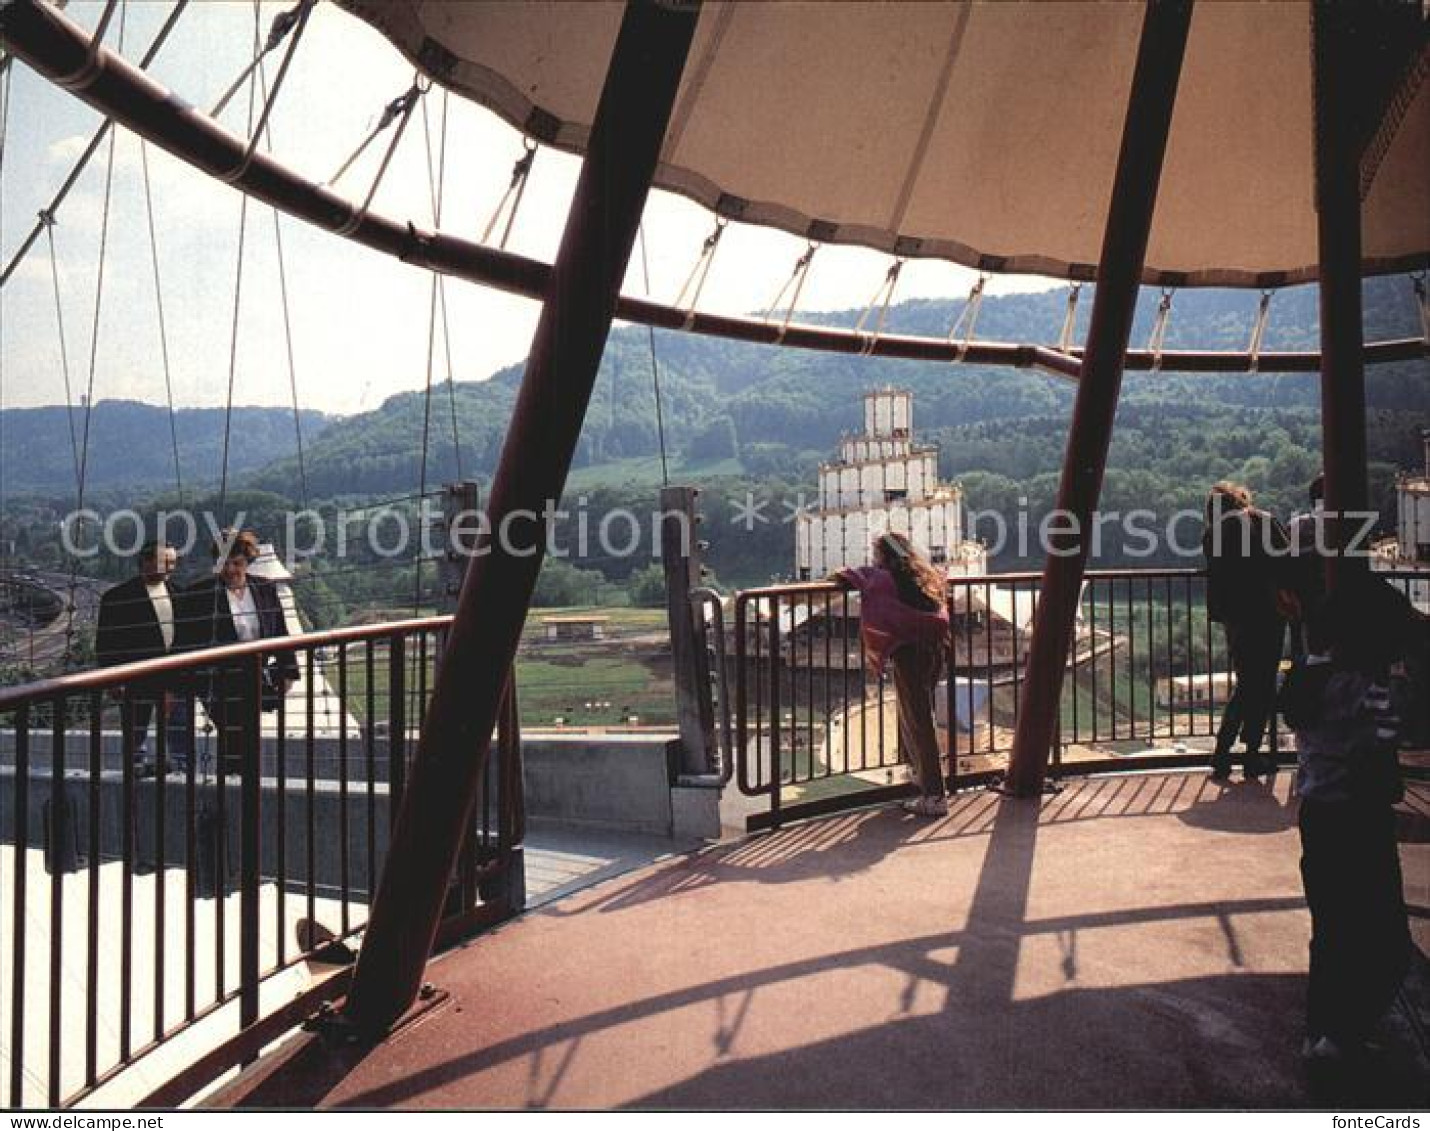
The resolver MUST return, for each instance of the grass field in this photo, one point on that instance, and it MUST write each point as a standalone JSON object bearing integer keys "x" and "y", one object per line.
{"x": 584, "y": 683}
{"x": 597, "y": 682}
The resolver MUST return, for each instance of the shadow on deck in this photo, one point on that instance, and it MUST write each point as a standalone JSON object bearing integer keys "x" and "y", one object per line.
{"x": 1135, "y": 941}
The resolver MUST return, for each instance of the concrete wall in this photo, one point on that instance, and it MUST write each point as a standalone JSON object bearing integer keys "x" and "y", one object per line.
{"x": 616, "y": 781}
{"x": 211, "y": 819}
{"x": 622, "y": 782}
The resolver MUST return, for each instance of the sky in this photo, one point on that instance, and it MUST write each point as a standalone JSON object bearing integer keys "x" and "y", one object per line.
{"x": 359, "y": 320}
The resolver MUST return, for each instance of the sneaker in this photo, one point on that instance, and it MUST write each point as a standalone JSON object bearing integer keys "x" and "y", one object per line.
{"x": 927, "y": 807}
{"x": 1259, "y": 765}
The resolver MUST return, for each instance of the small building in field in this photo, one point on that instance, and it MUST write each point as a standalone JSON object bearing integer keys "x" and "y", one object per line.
{"x": 1200, "y": 690}
{"x": 574, "y": 627}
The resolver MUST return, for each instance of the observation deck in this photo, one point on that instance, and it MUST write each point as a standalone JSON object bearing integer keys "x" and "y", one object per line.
{"x": 1134, "y": 941}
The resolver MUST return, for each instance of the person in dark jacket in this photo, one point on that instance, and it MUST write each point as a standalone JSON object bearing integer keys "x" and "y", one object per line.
{"x": 138, "y": 621}
{"x": 1348, "y": 781}
{"x": 1245, "y": 552}
{"x": 233, "y": 607}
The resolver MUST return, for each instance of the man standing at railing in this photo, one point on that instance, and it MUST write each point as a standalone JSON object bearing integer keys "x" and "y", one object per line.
{"x": 137, "y": 622}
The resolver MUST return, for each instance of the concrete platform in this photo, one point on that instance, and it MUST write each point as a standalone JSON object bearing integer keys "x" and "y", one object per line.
{"x": 562, "y": 858}
{"x": 1135, "y": 941}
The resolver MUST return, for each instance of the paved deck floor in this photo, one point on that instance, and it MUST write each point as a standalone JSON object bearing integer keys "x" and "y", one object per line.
{"x": 1135, "y": 941}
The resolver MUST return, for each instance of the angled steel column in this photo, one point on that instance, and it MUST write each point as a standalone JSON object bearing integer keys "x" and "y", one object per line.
{"x": 1124, "y": 248}
{"x": 1337, "y": 94}
{"x": 630, "y": 124}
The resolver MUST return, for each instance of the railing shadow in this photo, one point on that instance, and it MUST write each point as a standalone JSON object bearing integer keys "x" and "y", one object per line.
{"x": 846, "y": 844}
{"x": 1221, "y": 1040}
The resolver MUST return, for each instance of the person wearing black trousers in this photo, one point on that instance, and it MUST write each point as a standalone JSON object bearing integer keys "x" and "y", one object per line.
{"x": 138, "y": 620}
{"x": 1348, "y": 782}
{"x": 1245, "y": 553}
{"x": 232, "y": 607}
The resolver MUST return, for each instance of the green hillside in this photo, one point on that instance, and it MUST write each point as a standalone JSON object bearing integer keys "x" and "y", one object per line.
{"x": 764, "y": 412}
{"x": 131, "y": 447}
{"x": 754, "y": 421}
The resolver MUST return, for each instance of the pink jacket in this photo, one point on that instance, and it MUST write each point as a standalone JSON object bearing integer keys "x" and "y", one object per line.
{"x": 887, "y": 624}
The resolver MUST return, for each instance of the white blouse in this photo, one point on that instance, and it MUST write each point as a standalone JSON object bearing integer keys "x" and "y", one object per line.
{"x": 245, "y": 614}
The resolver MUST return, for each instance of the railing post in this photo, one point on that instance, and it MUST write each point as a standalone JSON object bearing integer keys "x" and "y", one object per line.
{"x": 511, "y": 804}
{"x": 61, "y": 835}
{"x": 680, "y": 558}
{"x": 739, "y": 763}
{"x": 776, "y": 705}
{"x": 459, "y": 528}
{"x": 250, "y": 825}
{"x": 396, "y": 726}
{"x": 1124, "y": 249}
{"x": 580, "y": 301}
{"x": 18, "y": 908}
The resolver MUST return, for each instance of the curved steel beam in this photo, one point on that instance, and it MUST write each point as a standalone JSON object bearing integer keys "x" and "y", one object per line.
{"x": 57, "y": 48}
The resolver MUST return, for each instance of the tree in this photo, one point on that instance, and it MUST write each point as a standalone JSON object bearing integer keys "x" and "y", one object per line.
{"x": 647, "y": 586}
{"x": 561, "y": 583}
{"x": 715, "y": 441}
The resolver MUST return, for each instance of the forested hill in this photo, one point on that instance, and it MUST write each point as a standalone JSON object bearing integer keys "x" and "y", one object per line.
{"x": 131, "y": 446}
{"x": 768, "y": 411}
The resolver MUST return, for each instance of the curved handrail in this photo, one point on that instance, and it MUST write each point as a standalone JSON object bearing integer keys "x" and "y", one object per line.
{"x": 963, "y": 580}
{"x": 101, "y": 679}
{"x": 55, "y": 46}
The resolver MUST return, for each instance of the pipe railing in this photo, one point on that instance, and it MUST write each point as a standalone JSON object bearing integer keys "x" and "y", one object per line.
{"x": 187, "y": 844}
{"x": 1144, "y": 687}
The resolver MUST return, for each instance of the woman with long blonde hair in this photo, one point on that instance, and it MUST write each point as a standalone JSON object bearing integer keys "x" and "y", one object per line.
{"x": 903, "y": 615}
{"x": 1245, "y": 550}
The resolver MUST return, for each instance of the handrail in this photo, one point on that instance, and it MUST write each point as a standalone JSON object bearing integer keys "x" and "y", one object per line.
{"x": 220, "y": 795}
{"x": 1149, "y": 671}
{"x": 1022, "y": 577}
{"x": 101, "y": 679}
{"x": 1019, "y": 577}
{"x": 701, "y": 597}
{"x": 54, "y": 45}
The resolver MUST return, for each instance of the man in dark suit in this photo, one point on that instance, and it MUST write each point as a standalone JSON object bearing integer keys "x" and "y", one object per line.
{"x": 138, "y": 620}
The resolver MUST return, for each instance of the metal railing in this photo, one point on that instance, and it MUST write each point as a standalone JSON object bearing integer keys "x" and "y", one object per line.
{"x": 1145, "y": 685}
{"x": 192, "y": 896}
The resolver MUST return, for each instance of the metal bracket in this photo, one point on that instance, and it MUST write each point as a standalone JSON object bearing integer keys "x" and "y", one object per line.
{"x": 999, "y": 786}
{"x": 335, "y": 1027}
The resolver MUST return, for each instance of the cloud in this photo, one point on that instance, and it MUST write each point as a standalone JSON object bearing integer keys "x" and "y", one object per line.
{"x": 66, "y": 150}
{"x": 33, "y": 270}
